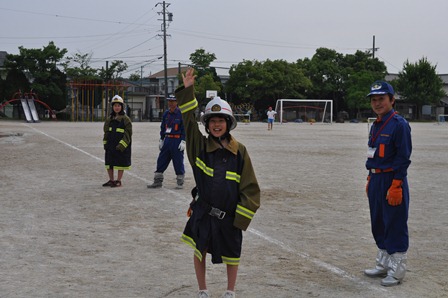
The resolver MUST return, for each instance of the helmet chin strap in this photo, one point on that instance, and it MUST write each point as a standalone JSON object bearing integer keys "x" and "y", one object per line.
{"x": 219, "y": 139}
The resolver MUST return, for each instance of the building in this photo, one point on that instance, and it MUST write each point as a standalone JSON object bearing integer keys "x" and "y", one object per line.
{"x": 428, "y": 112}
{"x": 146, "y": 98}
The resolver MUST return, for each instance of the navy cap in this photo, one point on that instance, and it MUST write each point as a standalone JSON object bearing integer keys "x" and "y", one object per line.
{"x": 380, "y": 87}
{"x": 171, "y": 97}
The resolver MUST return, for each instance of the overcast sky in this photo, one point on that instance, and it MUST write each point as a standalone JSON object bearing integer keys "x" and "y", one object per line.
{"x": 234, "y": 30}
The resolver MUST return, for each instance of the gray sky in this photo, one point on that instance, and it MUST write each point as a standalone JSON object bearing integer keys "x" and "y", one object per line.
{"x": 233, "y": 30}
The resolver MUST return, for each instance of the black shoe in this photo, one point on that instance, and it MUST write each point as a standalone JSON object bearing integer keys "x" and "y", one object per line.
{"x": 109, "y": 183}
{"x": 116, "y": 183}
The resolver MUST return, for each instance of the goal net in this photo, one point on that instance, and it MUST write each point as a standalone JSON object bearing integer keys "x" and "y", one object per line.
{"x": 370, "y": 121}
{"x": 442, "y": 119}
{"x": 305, "y": 110}
{"x": 245, "y": 118}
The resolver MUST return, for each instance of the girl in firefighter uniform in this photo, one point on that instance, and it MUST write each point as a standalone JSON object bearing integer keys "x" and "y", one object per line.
{"x": 389, "y": 151}
{"x": 227, "y": 193}
{"x": 117, "y": 141}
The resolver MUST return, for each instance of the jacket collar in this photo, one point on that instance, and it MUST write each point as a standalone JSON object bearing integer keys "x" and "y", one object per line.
{"x": 212, "y": 145}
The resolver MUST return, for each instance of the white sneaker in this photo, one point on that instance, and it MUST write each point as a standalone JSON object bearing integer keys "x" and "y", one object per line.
{"x": 228, "y": 294}
{"x": 203, "y": 294}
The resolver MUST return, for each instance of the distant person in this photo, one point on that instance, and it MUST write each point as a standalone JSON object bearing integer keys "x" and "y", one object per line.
{"x": 226, "y": 195}
{"x": 388, "y": 159}
{"x": 117, "y": 142}
{"x": 171, "y": 145}
{"x": 271, "y": 117}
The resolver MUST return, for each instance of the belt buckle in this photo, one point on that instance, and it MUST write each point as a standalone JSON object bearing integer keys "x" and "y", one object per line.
{"x": 217, "y": 213}
{"x": 374, "y": 171}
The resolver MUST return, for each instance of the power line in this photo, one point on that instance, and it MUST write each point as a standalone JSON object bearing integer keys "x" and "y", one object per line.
{"x": 71, "y": 17}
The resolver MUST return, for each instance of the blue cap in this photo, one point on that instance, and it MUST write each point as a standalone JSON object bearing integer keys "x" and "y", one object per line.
{"x": 171, "y": 97}
{"x": 380, "y": 87}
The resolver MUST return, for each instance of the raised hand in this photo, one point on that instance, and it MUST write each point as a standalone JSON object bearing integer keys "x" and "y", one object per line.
{"x": 189, "y": 77}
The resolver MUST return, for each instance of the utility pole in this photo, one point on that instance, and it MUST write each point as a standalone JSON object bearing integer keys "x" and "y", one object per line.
{"x": 373, "y": 48}
{"x": 170, "y": 18}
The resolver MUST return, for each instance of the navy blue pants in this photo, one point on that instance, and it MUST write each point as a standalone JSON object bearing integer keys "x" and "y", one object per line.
{"x": 170, "y": 151}
{"x": 389, "y": 223}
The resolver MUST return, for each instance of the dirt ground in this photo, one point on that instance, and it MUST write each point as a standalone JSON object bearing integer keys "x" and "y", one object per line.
{"x": 63, "y": 235}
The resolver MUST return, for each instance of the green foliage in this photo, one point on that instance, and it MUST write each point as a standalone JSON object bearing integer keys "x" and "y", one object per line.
{"x": 202, "y": 59}
{"x": 77, "y": 67}
{"x": 344, "y": 79}
{"x": 113, "y": 71}
{"x": 205, "y": 83}
{"x": 15, "y": 81}
{"x": 262, "y": 83}
{"x": 135, "y": 76}
{"x": 419, "y": 84}
{"x": 49, "y": 82}
{"x": 360, "y": 71}
{"x": 325, "y": 72}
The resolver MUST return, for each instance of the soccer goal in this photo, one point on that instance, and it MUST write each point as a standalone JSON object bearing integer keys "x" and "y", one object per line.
{"x": 305, "y": 110}
{"x": 245, "y": 118}
{"x": 442, "y": 119}
{"x": 370, "y": 121}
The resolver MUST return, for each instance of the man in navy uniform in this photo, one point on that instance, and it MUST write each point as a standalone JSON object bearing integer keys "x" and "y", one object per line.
{"x": 171, "y": 145}
{"x": 388, "y": 159}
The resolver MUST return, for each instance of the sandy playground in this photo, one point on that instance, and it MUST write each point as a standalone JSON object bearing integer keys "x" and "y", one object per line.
{"x": 63, "y": 235}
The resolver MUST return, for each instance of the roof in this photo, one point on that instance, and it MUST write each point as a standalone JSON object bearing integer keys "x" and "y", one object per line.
{"x": 171, "y": 72}
{"x": 444, "y": 100}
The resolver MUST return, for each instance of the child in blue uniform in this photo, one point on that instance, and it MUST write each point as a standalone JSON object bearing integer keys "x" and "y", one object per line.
{"x": 226, "y": 195}
{"x": 388, "y": 159}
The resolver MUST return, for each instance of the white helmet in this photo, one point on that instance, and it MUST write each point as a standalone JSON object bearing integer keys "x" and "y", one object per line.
{"x": 117, "y": 99}
{"x": 218, "y": 107}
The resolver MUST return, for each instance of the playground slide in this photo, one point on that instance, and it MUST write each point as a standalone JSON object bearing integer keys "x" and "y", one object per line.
{"x": 26, "y": 110}
{"x": 33, "y": 110}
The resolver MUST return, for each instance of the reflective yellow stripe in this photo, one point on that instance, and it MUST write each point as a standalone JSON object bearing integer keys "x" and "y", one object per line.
{"x": 110, "y": 128}
{"x": 190, "y": 241}
{"x": 122, "y": 168}
{"x": 244, "y": 212}
{"x": 230, "y": 261}
{"x": 104, "y": 142}
{"x": 120, "y": 130}
{"x": 188, "y": 106}
{"x": 124, "y": 144}
{"x": 233, "y": 176}
{"x": 200, "y": 164}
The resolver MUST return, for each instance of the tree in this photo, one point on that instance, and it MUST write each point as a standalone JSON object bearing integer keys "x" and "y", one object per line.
{"x": 201, "y": 58}
{"x": 114, "y": 71}
{"x": 41, "y": 65}
{"x": 203, "y": 84}
{"x": 77, "y": 67}
{"x": 243, "y": 80}
{"x": 15, "y": 81}
{"x": 326, "y": 74}
{"x": 360, "y": 71}
{"x": 419, "y": 84}
{"x": 135, "y": 77}
{"x": 207, "y": 78}
{"x": 262, "y": 83}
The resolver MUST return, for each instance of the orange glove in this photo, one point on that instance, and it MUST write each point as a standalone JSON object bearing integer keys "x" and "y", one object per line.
{"x": 367, "y": 185}
{"x": 395, "y": 193}
{"x": 189, "y": 212}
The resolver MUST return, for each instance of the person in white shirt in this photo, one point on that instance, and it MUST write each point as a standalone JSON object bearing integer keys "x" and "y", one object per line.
{"x": 271, "y": 117}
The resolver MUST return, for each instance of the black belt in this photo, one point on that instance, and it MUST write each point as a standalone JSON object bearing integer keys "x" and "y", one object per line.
{"x": 212, "y": 211}
{"x": 378, "y": 171}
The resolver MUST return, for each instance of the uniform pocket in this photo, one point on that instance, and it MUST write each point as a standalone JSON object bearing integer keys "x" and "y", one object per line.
{"x": 384, "y": 141}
